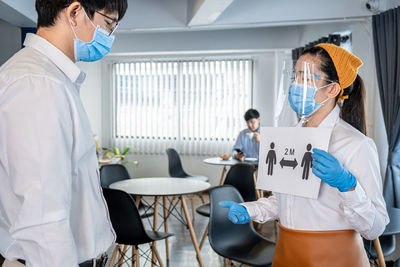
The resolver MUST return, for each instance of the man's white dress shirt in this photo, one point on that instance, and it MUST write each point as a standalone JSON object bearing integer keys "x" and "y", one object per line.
{"x": 52, "y": 211}
{"x": 363, "y": 209}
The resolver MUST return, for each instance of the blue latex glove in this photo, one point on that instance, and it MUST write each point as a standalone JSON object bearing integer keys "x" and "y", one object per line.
{"x": 331, "y": 171}
{"x": 237, "y": 213}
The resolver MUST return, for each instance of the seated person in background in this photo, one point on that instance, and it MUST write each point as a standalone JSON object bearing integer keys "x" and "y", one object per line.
{"x": 248, "y": 141}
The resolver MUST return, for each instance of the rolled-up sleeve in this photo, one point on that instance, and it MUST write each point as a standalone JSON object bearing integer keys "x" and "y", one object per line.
{"x": 365, "y": 208}
{"x": 262, "y": 210}
{"x": 38, "y": 129}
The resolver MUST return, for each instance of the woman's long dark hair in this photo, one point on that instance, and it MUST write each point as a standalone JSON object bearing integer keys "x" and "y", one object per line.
{"x": 353, "y": 108}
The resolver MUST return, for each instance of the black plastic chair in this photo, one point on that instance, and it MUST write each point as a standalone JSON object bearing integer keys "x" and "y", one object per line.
{"x": 241, "y": 176}
{"x": 116, "y": 172}
{"x": 128, "y": 226}
{"x": 238, "y": 242}
{"x": 388, "y": 245}
{"x": 113, "y": 173}
{"x": 175, "y": 168}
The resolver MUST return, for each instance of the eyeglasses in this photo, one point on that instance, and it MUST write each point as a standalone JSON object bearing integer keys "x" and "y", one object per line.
{"x": 299, "y": 76}
{"x": 115, "y": 24}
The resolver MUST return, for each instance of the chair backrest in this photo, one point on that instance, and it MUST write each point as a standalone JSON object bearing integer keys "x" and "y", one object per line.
{"x": 112, "y": 173}
{"x": 125, "y": 218}
{"x": 241, "y": 176}
{"x": 221, "y": 230}
{"x": 175, "y": 168}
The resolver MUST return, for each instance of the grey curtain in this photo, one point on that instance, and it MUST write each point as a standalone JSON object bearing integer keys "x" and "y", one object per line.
{"x": 386, "y": 34}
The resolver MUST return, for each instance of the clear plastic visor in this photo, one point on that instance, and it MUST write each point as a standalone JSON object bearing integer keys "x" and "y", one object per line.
{"x": 298, "y": 96}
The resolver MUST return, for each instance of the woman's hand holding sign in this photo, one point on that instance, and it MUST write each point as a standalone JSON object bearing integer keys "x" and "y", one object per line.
{"x": 331, "y": 171}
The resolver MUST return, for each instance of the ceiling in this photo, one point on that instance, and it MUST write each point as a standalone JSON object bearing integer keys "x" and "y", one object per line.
{"x": 192, "y": 15}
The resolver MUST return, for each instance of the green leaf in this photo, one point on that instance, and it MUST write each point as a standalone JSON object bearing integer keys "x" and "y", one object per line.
{"x": 125, "y": 150}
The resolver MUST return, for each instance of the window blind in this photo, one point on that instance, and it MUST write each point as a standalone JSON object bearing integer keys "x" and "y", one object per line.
{"x": 194, "y": 106}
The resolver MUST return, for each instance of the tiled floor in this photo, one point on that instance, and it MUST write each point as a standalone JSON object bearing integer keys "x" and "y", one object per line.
{"x": 182, "y": 253}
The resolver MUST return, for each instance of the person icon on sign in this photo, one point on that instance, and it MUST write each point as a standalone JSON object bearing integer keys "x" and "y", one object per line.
{"x": 307, "y": 163}
{"x": 271, "y": 159}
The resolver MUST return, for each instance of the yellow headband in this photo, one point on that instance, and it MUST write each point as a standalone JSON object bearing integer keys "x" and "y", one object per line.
{"x": 346, "y": 65}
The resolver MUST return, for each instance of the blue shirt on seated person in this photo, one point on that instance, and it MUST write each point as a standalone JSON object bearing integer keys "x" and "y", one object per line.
{"x": 248, "y": 141}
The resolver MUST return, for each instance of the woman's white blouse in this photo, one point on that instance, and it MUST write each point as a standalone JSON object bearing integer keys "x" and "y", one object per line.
{"x": 363, "y": 209}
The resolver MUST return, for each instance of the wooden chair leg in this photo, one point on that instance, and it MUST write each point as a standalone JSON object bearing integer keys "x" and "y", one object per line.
{"x": 201, "y": 198}
{"x": 138, "y": 198}
{"x": 153, "y": 256}
{"x": 192, "y": 204}
{"x": 204, "y": 236}
{"x": 137, "y": 257}
{"x": 258, "y": 195}
{"x": 165, "y": 213}
{"x": 171, "y": 203}
{"x": 221, "y": 180}
{"x": 114, "y": 255}
{"x": 122, "y": 255}
{"x": 228, "y": 263}
{"x": 259, "y": 227}
{"x": 191, "y": 230}
{"x": 134, "y": 251}
{"x": 378, "y": 249}
{"x": 154, "y": 249}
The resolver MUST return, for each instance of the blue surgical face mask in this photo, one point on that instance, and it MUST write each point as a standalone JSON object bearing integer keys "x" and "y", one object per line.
{"x": 304, "y": 106}
{"x": 97, "y": 48}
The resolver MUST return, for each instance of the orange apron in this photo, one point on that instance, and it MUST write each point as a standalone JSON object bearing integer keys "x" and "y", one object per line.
{"x": 340, "y": 248}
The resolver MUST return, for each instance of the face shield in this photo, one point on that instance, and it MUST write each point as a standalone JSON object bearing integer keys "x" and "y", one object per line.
{"x": 298, "y": 94}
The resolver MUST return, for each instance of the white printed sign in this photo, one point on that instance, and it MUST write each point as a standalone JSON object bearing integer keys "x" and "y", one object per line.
{"x": 285, "y": 160}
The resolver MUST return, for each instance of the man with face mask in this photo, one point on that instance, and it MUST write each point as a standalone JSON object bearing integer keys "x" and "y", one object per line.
{"x": 52, "y": 212}
{"x": 248, "y": 142}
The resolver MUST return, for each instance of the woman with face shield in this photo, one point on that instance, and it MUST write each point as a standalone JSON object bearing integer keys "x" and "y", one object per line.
{"x": 326, "y": 91}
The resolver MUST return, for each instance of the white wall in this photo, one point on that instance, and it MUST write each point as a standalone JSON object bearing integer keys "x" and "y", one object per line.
{"x": 10, "y": 42}
{"x": 263, "y": 42}
{"x": 388, "y": 4}
{"x": 223, "y": 40}
{"x": 91, "y": 95}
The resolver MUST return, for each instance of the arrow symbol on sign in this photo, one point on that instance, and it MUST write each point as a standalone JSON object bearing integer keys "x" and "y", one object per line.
{"x": 288, "y": 163}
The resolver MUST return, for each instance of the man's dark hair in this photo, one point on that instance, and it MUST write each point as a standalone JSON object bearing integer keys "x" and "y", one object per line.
{"x": 48, "y": 10}
{"x": 251, "y": 114}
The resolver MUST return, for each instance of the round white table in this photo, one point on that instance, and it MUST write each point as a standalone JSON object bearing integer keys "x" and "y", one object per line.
{"x": 161, "y": 186}
{"x": 229, "y": 162}
{"x": 221, "y": 162}
{"x": 164, "y": 187}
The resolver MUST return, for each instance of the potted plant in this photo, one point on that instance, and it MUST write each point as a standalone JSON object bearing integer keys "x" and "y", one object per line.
{"x": 115, "y": 153}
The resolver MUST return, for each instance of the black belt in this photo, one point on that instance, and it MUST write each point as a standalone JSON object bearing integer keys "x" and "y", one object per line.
{"x": 101, "y": 262}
